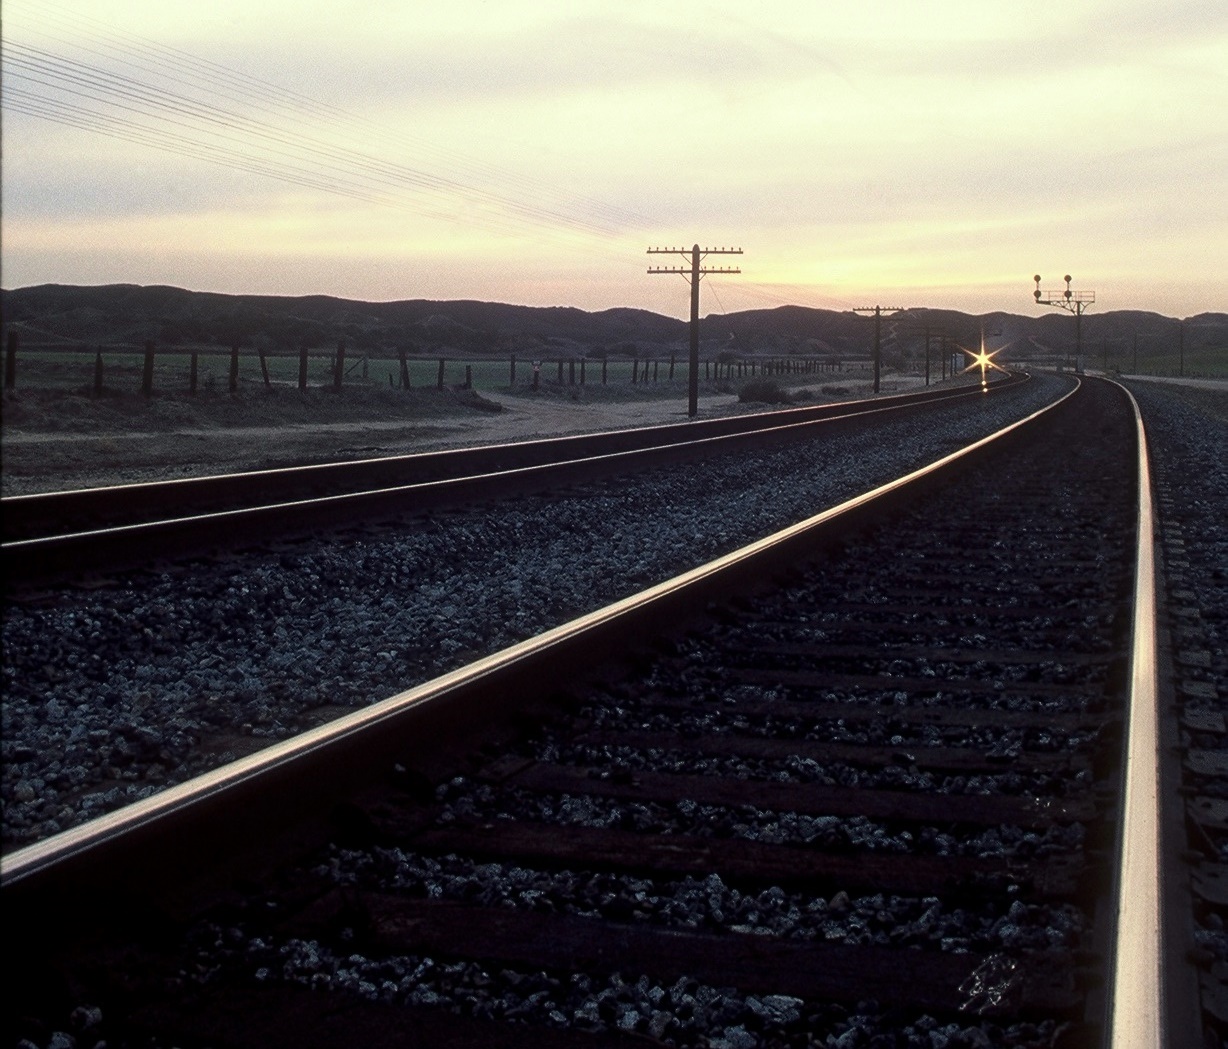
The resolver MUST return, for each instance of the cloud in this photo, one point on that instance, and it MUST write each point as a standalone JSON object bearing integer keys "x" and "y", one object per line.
{"x": 899, "y": 145}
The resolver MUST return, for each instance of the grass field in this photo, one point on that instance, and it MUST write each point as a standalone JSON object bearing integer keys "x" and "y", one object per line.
{"x": 72, "y": 371}
{"x": 1203, "y": 363}
{"x": 123, "y": 372}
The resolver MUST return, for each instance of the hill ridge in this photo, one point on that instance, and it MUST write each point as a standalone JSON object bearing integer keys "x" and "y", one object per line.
{"x": 123, "y": 314}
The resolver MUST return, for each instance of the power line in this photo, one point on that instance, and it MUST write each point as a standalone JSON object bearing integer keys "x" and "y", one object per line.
{"x": 142, "y": 110}
{"x": 175, "y": 119}
{"x": 183, "y": 69}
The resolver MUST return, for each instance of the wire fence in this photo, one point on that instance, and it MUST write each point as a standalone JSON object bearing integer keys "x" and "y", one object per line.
{"x": 149, "y": 368}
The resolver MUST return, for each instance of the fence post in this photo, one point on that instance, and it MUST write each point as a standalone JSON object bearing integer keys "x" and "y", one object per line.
{"x": 671, "y": 367}
{"x": 98, "y": 373}
{"x": 192, "y": 371}
{"x": 302, "y": 367}
{"x": 234, "y": 366}
{"x": 604, "y": 364}
{"x": 655, "y": 366}
{"x": 147, "y": 374}
{"x": 264, "y": 368}
{"x": 571, "y": 372}
{"x": 10, "y": 361}
{"x": 404, "y": 370}
{"x": 364, "y": 365}
{"x": 339, "y": 368}
{"x": 439, "y": 381}
{"x": 512, "y": 379}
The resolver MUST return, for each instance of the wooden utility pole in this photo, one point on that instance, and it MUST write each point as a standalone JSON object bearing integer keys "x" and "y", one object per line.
{"x": 878, "y": 334}
{"x": 693, "y": 273}
{"x": 339, "y": 365}
{"x": 147, "y": 372}
{"x": 929, "y": 331}
{"x": 10, "y": 362}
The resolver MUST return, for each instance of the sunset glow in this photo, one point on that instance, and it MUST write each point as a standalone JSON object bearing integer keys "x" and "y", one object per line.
{"x": 935, "y": 155}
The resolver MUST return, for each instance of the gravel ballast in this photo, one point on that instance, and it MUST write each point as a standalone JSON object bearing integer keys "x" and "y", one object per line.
{"x": 111, "y": 692}
{"x": 322, "y": 611}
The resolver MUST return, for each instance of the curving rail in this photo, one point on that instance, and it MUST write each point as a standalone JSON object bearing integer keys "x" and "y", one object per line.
{"x": 1136, "y": 996}
{"x": 234, "y": 807}
{"x": 284, "y": 775}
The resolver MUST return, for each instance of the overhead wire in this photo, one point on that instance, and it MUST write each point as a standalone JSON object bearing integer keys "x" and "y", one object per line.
{"x": 112, "y": 127}
{"x": 183, "y": 67}
{"x": 179, "y": 118}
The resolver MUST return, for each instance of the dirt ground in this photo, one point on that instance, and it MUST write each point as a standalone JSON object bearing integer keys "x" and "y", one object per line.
{"x": 60, "y": 440}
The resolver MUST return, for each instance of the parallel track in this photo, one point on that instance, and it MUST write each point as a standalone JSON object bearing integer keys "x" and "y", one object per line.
{"x": 918, "y": 695}
{"x": 55, "y": 535}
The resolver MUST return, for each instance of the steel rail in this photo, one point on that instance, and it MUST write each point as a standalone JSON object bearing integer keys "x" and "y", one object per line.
{"x": 40, "y": 515}
{"x": 1136, "y": 998}
{"x": 240, "y": 801}
{"x": 35, "y": 560}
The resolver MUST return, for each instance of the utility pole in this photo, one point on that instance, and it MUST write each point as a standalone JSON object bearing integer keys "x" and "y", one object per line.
{"x": 878, "y": 334}
{"x": 928, "y": 331}
{"x": 1072, "y": 301}
{"x": 693, "y": 273}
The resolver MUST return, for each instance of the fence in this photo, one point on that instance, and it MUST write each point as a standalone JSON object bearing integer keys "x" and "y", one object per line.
{"x": 176, "y": 369}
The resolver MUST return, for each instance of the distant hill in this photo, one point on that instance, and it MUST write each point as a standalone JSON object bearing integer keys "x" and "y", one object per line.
{"x": 129, "y": 314}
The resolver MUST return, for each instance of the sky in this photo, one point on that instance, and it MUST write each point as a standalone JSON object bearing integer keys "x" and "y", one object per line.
{"x": 883, "y": 152}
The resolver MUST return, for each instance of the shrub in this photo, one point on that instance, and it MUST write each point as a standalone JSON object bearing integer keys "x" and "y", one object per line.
{"x": 764, "y": 391}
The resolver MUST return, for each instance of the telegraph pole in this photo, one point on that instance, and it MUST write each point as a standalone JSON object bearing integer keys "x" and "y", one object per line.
{"x": 692, "y": 274}
{"x": 878, "y": 333}
{"x": 929, "y": 331}
{"x": 1072, "y": 301}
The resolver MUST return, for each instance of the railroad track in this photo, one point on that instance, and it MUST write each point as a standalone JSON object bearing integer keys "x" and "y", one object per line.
{"x": 56, "y": 535}
{"x": 859, "y": 780}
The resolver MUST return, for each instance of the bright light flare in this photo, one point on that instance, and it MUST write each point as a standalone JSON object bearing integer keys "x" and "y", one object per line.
{"x": 983, "y": 360}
